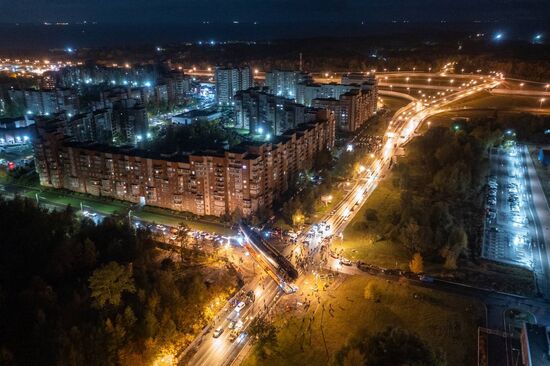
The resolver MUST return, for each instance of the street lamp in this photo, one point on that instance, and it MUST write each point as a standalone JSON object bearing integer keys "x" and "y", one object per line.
{"x": 521, "y": 85}
{"x": 546, "y": 87}
{"x": 541, "y": 101}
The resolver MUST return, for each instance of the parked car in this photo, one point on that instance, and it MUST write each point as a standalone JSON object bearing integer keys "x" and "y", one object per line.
{"x": 425, "y": 278}
{"x": 217, "y": 332}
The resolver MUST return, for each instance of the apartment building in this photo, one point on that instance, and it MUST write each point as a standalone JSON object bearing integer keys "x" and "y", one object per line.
{"x": 284, "y": 83}
{"x": 352, "y": 109}
{"x": 255, "y": 109}
{"x": 45, "y": 101}
{"x": 231, "y": 80}
{"x": 242, "y": 179}
{"x": 92, "y": 126}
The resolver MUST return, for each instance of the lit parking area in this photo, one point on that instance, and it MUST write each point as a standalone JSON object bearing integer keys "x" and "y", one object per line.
{"x": 508, "y": 227}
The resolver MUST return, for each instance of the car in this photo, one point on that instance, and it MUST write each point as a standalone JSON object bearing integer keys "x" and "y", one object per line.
{"x": 217, "y": 332}
{"x": 238, "y": 325}
{"x": 425, "y": 278}
{"x": 240, "y": 306}
{"x": 345, "y": 262}
{"x": 231, "y": 324}
{"x": 234, "y": 335}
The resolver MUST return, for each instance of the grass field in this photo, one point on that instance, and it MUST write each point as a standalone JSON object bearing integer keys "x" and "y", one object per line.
{"x": 394, "y": 103}
{"x": 148, "y": 214}
{"x": 361, "y": 237}
{"x": 443, "y": 320}
{"x": 488, "y": 100}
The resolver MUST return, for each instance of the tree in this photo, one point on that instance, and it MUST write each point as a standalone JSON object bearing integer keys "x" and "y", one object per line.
{"x": 371, "y": 214}
{"x": 417, "y": 263}
{"x": 396, "y": 346}
{"x": 298, "y": 218}
{"x": 372, "y": 292}
{"x": 410, "y": 234}
{"x": 353, "y": 358}
{"x": 458, "y": 242}
{"x": 264, "y": 335}
{"x": 109, "y": 282}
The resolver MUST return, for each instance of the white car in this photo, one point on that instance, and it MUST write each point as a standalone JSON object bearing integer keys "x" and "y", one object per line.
{"x": 240, "y": 306}
{"x": 217, "y": 332}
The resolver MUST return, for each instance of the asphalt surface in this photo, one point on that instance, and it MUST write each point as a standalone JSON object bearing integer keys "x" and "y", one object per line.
{"x": 508, "y": 230}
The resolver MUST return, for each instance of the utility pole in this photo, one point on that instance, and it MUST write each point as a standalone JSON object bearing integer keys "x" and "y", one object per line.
{"x": 300, "y": 61}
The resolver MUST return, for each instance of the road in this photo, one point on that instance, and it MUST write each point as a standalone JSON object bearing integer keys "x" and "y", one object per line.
{"x": 221, "y": 351}
{"x": 540, "y": 213}
{"x": 306, "y": 252}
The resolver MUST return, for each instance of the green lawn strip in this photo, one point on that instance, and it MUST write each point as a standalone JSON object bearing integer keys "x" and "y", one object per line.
{"x": 321, "y": 209}
{"x": 442, "y": 319}
{"x": 361, "y": 237}
{"x": 174, "y": 220}
{"x": 109, "y": 208}
{"x": 394, "y": 103}
{"x": 62, "y": 198}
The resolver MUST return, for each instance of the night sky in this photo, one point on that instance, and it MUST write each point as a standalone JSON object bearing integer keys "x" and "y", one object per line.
{"x": 264, "y": 11}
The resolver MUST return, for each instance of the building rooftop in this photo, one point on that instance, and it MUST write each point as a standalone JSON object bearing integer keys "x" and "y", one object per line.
{"x": 195, "y": 113}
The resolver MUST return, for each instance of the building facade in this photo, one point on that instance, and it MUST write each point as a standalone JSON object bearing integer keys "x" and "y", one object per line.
{"x": 229, "y": 81}
{"x": 130, "y": 121}
{"x": 45, "y": 101}
{"x": 241, "y": 180}
{"x": 196, "y": 115}
{"x": 284, "y": 83}
{"x": 255, "y": 109}
{"x": 92, "y": 126}
{"x": 15, "y": 131}
{"x": 352, "y": 109}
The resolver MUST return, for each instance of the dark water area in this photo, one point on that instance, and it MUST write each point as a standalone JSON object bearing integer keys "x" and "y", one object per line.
{"x": 41, "y": 37}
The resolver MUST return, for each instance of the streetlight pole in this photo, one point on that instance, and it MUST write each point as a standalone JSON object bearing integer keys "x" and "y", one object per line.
{"x": 37, "y": 199}
{"x": 541, "y": 101}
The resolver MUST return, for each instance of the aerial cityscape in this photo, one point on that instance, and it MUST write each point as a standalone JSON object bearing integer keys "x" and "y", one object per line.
{"x": 226, "y": 183}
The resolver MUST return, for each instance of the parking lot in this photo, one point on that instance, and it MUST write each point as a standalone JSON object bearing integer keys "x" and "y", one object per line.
{"x": 508, "y": 226}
